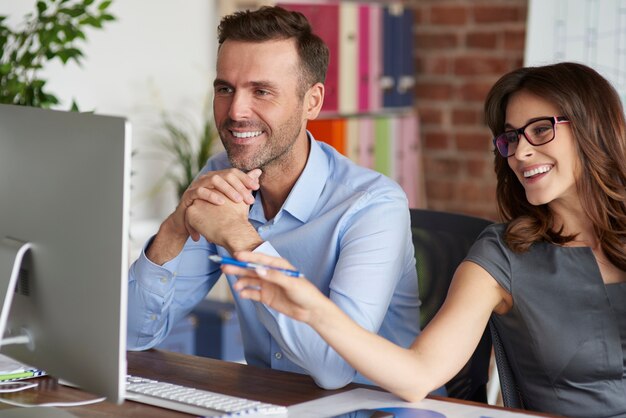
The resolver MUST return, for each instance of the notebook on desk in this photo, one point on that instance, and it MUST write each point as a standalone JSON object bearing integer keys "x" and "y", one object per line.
{"x": 11, "y": 370}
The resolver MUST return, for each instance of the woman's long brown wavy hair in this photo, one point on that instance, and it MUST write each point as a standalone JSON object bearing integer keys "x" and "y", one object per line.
{"x": 596, "y": 117}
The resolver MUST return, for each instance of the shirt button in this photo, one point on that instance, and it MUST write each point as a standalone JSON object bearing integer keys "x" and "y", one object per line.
{"x": 153, "y": 317}
{"x": 163, "y": 279}
{"x": 278, "y": 355}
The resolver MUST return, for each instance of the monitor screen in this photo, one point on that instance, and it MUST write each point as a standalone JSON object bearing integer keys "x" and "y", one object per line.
{"x": 64, "y": 191}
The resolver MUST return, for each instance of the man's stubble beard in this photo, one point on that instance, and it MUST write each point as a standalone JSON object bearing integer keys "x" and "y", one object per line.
{"x": 274, "y": 154}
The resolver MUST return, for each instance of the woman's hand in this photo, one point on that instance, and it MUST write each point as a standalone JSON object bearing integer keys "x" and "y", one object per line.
{"x": 294, "y": 297}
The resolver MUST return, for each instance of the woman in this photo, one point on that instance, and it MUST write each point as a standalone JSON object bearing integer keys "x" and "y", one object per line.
{"x": 553, "y": 275}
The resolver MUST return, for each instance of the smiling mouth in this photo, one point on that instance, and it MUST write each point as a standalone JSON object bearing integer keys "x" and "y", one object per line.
{"x": 249, "y": 134}
{"x": 536, "y": 171}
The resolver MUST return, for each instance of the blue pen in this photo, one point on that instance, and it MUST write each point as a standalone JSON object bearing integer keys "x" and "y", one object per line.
{"x": 252, "y": 266}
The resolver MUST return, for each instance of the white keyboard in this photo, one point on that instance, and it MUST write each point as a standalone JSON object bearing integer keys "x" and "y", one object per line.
{"x": 197, "y": 401}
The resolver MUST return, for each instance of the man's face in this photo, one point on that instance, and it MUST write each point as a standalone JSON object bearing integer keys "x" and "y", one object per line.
{"x": 257, "y": 105}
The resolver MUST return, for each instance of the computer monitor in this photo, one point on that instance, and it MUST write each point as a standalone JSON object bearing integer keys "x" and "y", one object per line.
{"x": 64, "y": 193}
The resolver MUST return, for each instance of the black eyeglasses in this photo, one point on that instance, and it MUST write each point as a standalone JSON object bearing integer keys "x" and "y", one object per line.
{"x": 537, "y": 132}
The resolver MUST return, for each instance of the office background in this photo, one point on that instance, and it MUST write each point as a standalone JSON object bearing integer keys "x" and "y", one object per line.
{"x": 160, "y": 56}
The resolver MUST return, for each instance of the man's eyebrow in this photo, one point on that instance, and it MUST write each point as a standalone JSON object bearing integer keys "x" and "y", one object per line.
{"x": 220, "y": 82}
{"x": 264, "y": 84}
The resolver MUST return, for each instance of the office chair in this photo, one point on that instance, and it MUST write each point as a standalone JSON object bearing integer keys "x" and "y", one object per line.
{"x": 511, "y": 395}
{"x": 441, "y": 241}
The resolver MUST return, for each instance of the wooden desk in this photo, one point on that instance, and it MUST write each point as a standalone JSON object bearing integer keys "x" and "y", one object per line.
{"x": 281, "y": 388}
{"x": 265, "y": 385}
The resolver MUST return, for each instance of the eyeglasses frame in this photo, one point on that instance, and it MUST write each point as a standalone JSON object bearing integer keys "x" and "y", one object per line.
{"x": 556, "y": 120}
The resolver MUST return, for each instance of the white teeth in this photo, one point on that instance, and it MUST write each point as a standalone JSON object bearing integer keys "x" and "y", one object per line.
{"x": 246, "y": 134}
{"x": 538, "y": 170}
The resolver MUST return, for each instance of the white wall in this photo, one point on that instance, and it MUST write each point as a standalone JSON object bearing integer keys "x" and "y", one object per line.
{"x": 157, "y": 55}
{"x": 585, "y": 31}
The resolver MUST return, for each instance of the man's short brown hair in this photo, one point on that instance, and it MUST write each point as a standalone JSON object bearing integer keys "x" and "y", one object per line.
{"x": 275, "y": 23}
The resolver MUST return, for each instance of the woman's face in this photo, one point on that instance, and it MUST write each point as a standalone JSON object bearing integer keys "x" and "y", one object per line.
{"x": 547, "y": 172}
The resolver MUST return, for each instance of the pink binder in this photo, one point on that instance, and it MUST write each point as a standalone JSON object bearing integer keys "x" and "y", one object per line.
{"x": 363, "y": 79}
{"x": 324, "y": 18}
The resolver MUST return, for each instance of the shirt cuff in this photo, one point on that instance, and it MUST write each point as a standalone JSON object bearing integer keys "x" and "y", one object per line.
{"x": 152, "y": 277}
{"x": 267, "y": 249}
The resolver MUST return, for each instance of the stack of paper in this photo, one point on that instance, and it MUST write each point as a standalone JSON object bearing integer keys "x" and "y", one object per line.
{"x": 14, "y": 370}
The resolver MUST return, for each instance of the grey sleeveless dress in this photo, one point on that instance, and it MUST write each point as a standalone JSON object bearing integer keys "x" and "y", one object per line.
{"x": 566, "y": 333}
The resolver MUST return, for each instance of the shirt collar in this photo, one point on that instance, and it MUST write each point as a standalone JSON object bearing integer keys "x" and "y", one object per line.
{"x": 305, "y": 193}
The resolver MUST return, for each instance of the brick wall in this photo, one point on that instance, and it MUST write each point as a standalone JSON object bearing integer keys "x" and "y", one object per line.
{"x": 462, "y": 48}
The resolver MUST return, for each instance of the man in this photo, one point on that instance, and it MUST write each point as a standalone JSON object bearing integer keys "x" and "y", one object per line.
{"x": 278, "y": 191}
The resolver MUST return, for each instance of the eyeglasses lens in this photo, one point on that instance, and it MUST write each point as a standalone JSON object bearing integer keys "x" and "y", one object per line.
{"x": 540, "y": 132}
{"x": 507, "y": 143}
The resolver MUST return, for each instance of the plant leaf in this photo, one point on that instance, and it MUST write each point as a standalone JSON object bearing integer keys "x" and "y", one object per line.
{"x": 43, "y": 36}
{"x": 41, "y": 7}
{"x": 104, "y": 5}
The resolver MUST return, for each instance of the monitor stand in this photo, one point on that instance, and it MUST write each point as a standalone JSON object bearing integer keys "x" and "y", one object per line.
{"x": 36, "y": 411}
{"x": 12, "y": 254}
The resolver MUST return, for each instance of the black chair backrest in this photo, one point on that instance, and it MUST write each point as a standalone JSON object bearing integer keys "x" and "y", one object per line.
{"x": 511, "y": 395}
{"x": 441, "y": 241}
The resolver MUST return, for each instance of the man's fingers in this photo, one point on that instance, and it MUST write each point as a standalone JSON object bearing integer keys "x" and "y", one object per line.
{"x": 244, "y": 183}
{"x": 210, "y": 196}
{"x": 231, "y": 187}
{"x": 232, "y": 184}
{"x": 255, "y": 174}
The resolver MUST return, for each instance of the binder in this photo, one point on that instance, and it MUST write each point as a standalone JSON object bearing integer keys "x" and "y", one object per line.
{"x": 384, "y": 146}
{"x": 364, "y": 74}
{"x": 366, "y": 142}
{"x": 410, "y": 165}
{"x": 398, "y": 68}
{"x": 371, "y": 68}
{"x": 324, "y": 19}
{"x": 406, "y": 83}
{"x": 398, "y": 157}
{"x": 331, "y": 131}
{"x": 348, "y": 57}
{"x": 391, "y": 59}
{"x": 375, "y": 72}
{"x": 352, "y": 139}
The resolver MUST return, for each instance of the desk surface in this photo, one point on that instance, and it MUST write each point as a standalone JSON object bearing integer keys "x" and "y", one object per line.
{"x": 265, "y": 385}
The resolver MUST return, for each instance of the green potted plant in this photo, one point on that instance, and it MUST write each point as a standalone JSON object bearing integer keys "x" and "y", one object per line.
{"x": 187, "y": 147}
{"x": 54, "y": 31}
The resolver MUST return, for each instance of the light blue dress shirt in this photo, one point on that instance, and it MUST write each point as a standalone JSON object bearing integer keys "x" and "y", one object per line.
{"x": 347, "y": 228}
